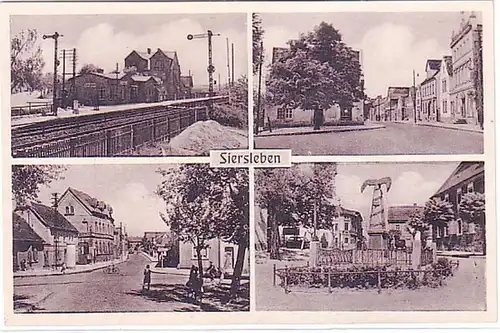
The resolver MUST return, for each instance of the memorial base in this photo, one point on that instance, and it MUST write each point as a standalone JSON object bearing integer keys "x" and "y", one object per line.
{"x": 376, "y": 241}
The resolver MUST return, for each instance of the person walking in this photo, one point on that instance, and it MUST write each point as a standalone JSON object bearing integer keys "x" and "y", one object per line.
{"x": 147, "y": 278}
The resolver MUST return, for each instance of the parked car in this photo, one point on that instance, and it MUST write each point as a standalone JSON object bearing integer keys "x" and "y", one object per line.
{"x": 295, "y": 242}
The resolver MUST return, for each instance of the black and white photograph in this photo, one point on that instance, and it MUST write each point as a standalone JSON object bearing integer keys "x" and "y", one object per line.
{"x": 371, "y": 237}
{"x": 369, "y": 83}
{"x": 128, "y": 85}
{"x": 130, "y": 238}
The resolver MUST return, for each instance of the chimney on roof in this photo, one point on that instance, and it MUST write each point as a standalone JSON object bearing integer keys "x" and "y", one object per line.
{"x": 414, "y": 204}
{"x": 149, "y": 50}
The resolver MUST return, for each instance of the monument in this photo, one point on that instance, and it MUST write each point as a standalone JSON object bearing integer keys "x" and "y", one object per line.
{"x": 378, "y": 224}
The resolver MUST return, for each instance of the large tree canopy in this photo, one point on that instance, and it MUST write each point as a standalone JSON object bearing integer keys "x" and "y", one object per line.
{"x": 27, "y": 180}
{"x": 26, "y": 62}
{"x": 437, "y": 213}
{"x": 90, "y": 68}
{"x": 318, "y": 71}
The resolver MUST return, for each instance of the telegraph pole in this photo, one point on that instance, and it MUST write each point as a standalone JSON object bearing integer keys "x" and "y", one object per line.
{"x": 74, "y": 94}
{"x": 232, "y": 64}
{"x": 414, "y": 98}
{"x": 261, "y": 60}
{"x": 63, "y": 101}
{"x": 56, "y": 236}
{"x": 55, "y": 37}
{"x": 228, "y": 66}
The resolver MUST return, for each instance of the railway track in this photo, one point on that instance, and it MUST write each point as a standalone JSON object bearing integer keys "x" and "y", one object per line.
{"x": 28, "y": 137}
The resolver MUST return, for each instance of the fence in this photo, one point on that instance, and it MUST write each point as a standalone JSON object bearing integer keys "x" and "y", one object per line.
{"x": 120, "y": 140}
{"x": 377, "y": 278}
{"x": 332, "y": 257}
{"x": 31, "y": 108}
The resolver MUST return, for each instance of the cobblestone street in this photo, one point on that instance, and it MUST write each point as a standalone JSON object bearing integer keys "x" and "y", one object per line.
{"x": 395, "y": 139}
{"x": 101, "y": 292}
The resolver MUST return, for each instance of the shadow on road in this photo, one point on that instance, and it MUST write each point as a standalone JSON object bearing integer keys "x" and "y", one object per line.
{"x": 22, "y": 304}
{"x": 215, "y": 297}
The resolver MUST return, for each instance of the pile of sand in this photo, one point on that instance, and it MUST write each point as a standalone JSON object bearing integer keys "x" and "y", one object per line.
{"x": 203, "y": 136}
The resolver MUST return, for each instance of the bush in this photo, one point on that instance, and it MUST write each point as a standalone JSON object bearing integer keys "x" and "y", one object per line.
{"x": 366, "y": 277}
{"x": 229, "y": 115}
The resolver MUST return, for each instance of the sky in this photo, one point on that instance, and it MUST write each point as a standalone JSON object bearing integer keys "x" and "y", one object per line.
{"x": 104, "y": 40}
{"x": 411, "y": 183}
{"x": 129, "y": 189}
{"x": 392, "y": 44}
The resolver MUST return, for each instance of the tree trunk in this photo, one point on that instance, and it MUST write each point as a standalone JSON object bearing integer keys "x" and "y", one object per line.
{"x": 318, "y": 118}
{"x": 200, "y": 261}
{"x": 275, "y": 242}
{"x": 238, "y": 268}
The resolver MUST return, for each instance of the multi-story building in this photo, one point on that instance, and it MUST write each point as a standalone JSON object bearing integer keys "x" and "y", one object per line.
{"x": 398, "y": 217}
{"x": 400, "y": 103}
{"x": 418, "y": 102}
{"x": 466, "y": 93}
{"x": 161, "y": 64}
{"x": 95, "y": 224}
{"x": 58, "y": 234}
{"x": 444, "y": 80}
{"x": 466, "y": 178}
{"x": 429, "y": 93}
{"x": 120, "y": 242}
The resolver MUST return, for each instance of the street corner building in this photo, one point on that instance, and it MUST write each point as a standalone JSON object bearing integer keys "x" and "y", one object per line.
{"x": 452, "y": 88}
{"x": 291, "y": 116}
{"x": 147, "y": 77}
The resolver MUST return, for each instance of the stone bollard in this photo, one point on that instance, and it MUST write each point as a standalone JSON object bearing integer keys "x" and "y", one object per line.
{"x": 313, "y": 253}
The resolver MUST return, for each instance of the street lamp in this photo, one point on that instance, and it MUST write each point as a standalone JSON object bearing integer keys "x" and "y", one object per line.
{"x": 55, "y": 36}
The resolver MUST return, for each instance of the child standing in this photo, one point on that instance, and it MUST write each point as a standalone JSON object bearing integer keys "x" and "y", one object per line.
{"x": 147, "y": 278}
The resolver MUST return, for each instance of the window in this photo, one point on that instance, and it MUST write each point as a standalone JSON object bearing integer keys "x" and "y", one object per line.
{"x": 470, "y": 187}
{"x": 102, "y": 92}
{"x": 447, "y": 197}
{"x": 459, "y": 224}
{"x": 346, "y": 226}
{"x": 398, "y": 227}
{"x": 443, "y": 84}
{"x": 459, "y": 196}
{"x": 336, "y": 226}
{"x": 445, "y": 107}
{"x": 346, "y": 240}
{"x": 204, "y": 253}
{"x": 67, "y": 210}
{"x": 284, "y": 113}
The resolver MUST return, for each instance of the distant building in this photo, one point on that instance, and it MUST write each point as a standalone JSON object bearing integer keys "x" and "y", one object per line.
{"x": 59, "y": 236}
{"x": 429, "y": 93}
{"x": 467, "y": 177}
{"x": 220, "y": 253}
{"x": 399, "y": 104}
{"x": 95, "y": 224}
{"x": 398, "y": 218}
{"x": 467, "y": 84}
{"x": 187, "y": 86}
{"x": 134, "y": 242}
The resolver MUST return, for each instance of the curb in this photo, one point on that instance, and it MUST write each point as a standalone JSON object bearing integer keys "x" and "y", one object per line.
{"x": 323, "y": 131}
{"x": 453, "y": 128}
{"x": 175, "y": 272}
{"x": 68, "y": 272}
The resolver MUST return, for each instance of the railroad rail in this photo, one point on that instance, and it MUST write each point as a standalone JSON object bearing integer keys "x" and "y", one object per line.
{"x": 112, "y": 133}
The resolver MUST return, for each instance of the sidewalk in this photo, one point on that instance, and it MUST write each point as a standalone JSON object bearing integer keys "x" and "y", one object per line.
{"x": 76, "y": 270}
{"x": 310, "y": 130}
{"x": 458, "y": 127}
{"x": 171, "y": 271}
{"x": 152, "y": 259}
{"x": 459, "y": 254}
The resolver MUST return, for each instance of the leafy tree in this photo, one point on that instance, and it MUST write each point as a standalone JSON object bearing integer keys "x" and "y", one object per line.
{"x": 27, "y": 179}
{"x": 471, "y": 210}
{"x": 26, "y": 62}
{"x": 257, "y": 33}
{"x": 203, "y": 203}
{"x": 318, "y": 71}
{"x": 437, "y": 214}
{"x": 416, "y": 223}
{"x": 90, "y": 68}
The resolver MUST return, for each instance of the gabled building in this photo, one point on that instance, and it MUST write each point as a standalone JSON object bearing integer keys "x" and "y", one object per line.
{"x": 161, "y": 64}
{"x": 59, "y": 236}
{"x": 187, "y": 86}
{"x": 467, "y": 85}
{"x": 27, "y": 246}
{"x": 95, "y": 224}
{"x": 466, "y": 178}
{"x": 398, "y": 218}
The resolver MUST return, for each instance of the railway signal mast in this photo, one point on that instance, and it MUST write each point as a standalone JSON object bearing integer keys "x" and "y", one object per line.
{"x": 211, "y": 68}
{"x": 55, "y": 37}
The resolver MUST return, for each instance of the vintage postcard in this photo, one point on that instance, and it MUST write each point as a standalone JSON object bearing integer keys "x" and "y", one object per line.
{"x": 302, "y": 163}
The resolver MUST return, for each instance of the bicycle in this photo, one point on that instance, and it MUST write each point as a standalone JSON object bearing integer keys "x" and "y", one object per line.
{"x": 111, "y": 270}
